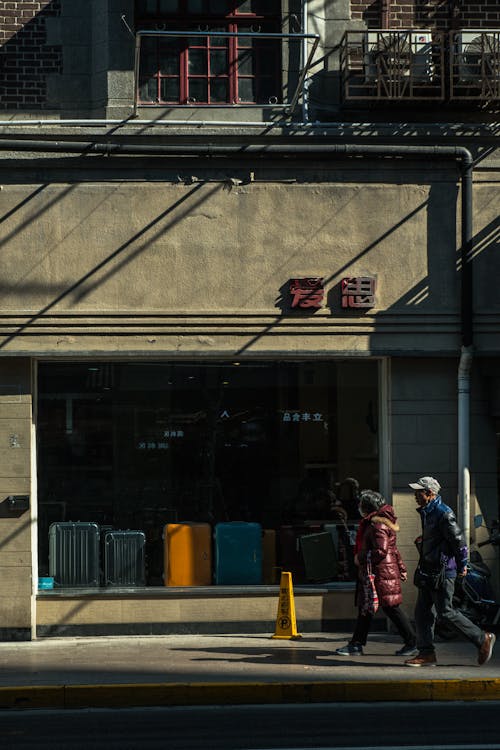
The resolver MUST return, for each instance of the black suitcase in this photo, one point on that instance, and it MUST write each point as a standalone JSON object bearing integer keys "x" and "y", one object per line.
{"x": 124, "y": 558}
{"x": 291, "y": 558}
{"x": 320, "y": 557}
{"x": 74, "y": 553}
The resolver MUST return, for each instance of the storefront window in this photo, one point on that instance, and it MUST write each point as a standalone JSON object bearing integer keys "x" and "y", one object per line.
{"x": 137, "y": 446}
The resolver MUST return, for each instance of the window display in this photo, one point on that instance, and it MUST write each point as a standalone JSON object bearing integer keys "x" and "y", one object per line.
{"x": 141, "y": 446}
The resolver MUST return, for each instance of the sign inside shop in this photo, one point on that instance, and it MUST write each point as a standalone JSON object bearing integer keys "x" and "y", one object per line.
{"x": 307, "y": 293}
{"x": 161, "y": 444}
{"x": 358, "y": 292}
{"x": 302, "y": 416}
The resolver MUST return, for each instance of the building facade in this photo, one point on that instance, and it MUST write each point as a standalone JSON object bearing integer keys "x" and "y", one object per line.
{"x": 249, "y": 263}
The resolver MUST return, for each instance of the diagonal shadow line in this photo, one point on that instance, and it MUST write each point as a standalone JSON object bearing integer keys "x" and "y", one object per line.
{"x": 23, "y": 203}
{"x": 17, "y": 230}
{"x": 40, "y": 258}
{"x": 84, "y": 292}
{"x": 105, "y": 262}
{"x": 346, "y": 265}
{"x": 338, "y": 210}
{"x": 18, "y": 530}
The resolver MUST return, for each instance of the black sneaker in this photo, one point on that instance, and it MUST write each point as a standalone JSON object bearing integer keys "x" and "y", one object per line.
{"x": 407, "y": 651}
{"x": 352, "y": 649}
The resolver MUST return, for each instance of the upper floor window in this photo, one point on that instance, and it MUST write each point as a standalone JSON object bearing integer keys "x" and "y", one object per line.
{"x": 206, "y": 68}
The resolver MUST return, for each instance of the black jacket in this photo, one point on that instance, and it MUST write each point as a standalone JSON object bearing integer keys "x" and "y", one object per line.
{"x": 442, "y": 539}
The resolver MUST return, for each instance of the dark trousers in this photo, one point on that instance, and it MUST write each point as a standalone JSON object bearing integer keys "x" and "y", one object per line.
{"x": 433, "y": 603}
{"x": 396, "y": 615}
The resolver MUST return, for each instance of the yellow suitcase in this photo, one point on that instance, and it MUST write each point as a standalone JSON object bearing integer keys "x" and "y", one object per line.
{"x": 187, "y": 554}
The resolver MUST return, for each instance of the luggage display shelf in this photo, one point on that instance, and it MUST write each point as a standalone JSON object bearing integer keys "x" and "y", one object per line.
{"x": 197, "y": 556}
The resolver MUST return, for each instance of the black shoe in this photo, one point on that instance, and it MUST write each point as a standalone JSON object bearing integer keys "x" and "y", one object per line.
{"x": 352, "y": 649}
{"x": 407, "y": 651}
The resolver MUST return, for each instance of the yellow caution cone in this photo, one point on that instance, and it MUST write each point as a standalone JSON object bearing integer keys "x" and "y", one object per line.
{"x": 286, "y": 624}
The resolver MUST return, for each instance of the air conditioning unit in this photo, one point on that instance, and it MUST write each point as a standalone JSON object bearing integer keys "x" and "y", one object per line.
{"x": 398, "y": 54}
{"x": 479, "y": 54}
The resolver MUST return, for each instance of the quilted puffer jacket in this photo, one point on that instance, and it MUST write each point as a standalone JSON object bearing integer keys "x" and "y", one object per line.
{"x": 387, "y": 565}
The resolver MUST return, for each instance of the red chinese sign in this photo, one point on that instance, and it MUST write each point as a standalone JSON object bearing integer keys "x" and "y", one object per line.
{"x": 358, "y": 291}
{"x": 307, "y": 292}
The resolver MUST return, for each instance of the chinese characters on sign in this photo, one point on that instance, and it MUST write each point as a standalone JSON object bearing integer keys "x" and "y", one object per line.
{"x": 301, "y": 416}
{"x": 161, "y": 444}
{"x": 307, "y": 293}
{"x": 358, "y": 291}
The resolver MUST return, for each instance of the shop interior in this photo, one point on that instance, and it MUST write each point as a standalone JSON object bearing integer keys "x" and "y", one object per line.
{"x": 138, "y": 446}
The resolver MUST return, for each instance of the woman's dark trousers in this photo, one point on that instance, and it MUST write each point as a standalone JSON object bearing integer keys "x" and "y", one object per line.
{"x": 397, "y": 616}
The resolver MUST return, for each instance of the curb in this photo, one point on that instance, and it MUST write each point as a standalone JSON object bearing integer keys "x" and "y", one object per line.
{"x": 199, "y": 694}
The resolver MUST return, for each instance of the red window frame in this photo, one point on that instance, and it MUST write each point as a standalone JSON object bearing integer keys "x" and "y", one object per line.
{"x": 258, "y": 73}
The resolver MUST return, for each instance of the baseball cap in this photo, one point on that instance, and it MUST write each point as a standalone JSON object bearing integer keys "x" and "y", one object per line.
{"x": 426, "y": 483}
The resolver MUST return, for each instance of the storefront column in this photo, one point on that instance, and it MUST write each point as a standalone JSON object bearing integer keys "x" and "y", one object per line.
{"x": 16, "y": 511}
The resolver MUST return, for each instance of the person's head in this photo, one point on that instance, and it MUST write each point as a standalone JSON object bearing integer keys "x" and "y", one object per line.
{"x": 426, "y": 489}
{"x": 370, "y": 501}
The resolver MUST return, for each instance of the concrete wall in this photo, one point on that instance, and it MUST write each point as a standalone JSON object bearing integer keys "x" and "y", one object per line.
{"x": 15, "y": 478}
{"x": 214, "y": 613}
{"x": 424, "y": 442}
{"x": 202, "y": 249}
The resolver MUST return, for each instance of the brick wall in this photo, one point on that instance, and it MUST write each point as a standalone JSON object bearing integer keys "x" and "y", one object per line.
{"x": 25, "y": 59}
{"x": 441, "y": 14}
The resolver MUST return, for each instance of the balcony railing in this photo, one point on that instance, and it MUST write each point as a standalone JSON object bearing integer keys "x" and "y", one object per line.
{"x": 302, "y": 57}
{"x": 415, "y": 65}
{"x": 393, "y": 65}
{"x": 475, "y": 65}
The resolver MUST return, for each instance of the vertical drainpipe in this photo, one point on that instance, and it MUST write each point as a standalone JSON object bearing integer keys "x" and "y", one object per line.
{"x": 305, "y": 85}
{"x": 465, "y": 363}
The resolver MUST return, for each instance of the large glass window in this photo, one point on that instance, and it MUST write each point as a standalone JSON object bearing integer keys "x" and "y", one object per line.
{"x": 141, "y": 445}
{"x": 209, "y": 69}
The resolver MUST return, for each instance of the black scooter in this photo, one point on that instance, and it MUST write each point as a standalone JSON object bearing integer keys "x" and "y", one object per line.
{"x": 474, "y": 596}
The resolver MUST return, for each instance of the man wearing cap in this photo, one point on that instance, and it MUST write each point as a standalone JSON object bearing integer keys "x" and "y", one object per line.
{"x": 443, "y": 556}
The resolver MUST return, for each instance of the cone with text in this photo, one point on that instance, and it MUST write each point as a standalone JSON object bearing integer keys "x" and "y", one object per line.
{"x": 286, "y": 623}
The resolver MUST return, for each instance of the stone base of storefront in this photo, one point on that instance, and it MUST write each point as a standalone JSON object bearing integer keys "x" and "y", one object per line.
{"x": 207, "y": 610}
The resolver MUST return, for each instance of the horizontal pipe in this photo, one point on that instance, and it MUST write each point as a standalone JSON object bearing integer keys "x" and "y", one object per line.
{"x": 139, "y": 123}
{"x": 229, "y": 34}
{"x": 254, "y": 149}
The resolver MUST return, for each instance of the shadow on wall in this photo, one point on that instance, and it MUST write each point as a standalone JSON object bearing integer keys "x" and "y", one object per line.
{"x": 121, "y": 256}
{"x": 26, "y": 60}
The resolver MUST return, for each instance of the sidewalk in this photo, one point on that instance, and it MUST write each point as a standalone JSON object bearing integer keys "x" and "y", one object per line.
{"x": 197, "y": 669}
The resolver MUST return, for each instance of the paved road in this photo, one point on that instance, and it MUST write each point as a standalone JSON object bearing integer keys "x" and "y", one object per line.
{"x": 404, "y": 725}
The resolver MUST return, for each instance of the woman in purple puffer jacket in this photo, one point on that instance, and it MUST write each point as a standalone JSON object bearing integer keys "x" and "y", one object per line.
{"x": 376, "y": 543}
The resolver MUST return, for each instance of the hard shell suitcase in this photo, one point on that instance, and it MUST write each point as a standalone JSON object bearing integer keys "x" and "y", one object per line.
{"x": 320, "y": 558}
{"x": 124, "y": 558}
{"x": 269, "y": 570}
{"x": 238, "y": 553}
{"x": 291, "y": 558}
{"x": 74, "y": 553}
{"x": 187, "y": 554}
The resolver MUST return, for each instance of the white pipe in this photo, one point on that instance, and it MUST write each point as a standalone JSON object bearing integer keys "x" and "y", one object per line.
{"x": 464, "y": 370}
{"x": 27, "y": 122}
{"x": 305, "y": 84}
{"x": 152, "y": 123}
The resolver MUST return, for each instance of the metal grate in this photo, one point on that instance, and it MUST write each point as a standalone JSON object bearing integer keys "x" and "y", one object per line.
{"x": 393, "y": 65}
{"x": 475, "y": 65}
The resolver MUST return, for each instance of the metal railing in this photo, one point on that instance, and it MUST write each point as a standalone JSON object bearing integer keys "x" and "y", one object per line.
{"x": 393, "y": 65}
{"x": 475, "y": 65}
{"x": 187, "y": 33}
